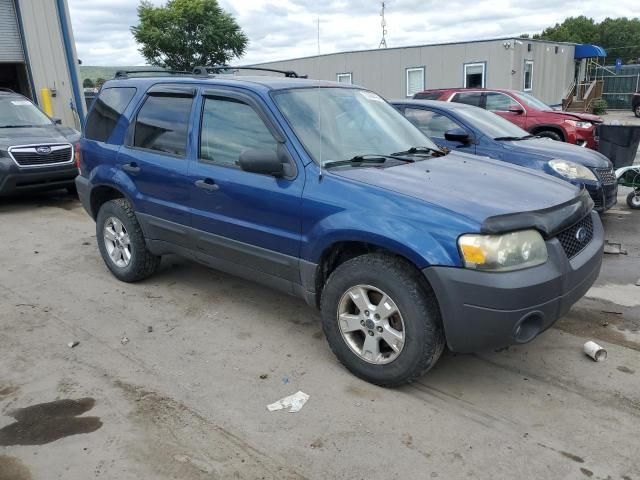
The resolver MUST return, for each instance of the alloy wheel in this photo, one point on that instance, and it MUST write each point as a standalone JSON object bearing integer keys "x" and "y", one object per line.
{"x": 117, "y": 242}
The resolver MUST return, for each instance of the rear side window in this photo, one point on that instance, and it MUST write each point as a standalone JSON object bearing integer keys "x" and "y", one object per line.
{"x": 162, "y": 124}
{"x": 106, "y": 112}
{"x": 474, "y": 99}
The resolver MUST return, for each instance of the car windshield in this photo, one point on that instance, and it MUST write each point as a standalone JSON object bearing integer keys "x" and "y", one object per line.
{"x": 489, "y": 123}
{"x": 20, "y": 112}
{"x": 337, "y": 124}
{"x": 533, "y": 102}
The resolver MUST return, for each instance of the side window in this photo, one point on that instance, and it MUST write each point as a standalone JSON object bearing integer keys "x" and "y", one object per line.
{"x": 499, "y": 102}
{"x": 431, "y": 124}
{"x": 106, "y": 112}
{"x": 230, "y": 127}
{"x": 162, "y": 124}
{"x": 474, "y": 99}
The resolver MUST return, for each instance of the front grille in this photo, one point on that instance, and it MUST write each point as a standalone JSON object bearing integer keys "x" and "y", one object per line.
{"x": 573, "y": 242}
{"x": 31, "y": 157}
{"x": 606, "y": 175}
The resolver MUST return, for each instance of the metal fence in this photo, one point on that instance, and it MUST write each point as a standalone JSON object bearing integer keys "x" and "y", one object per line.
{"x": 619, "y": 87}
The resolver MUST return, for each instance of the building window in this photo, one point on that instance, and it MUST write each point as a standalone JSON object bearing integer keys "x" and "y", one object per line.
{"x": 415, "y": 80}
{"x": 474, "y": 74}
{"x": 528, "y": 75}
{"x": 344, "y": 78}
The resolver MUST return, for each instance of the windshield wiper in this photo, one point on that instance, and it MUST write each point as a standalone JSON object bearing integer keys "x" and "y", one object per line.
{"x": 367, "y": 158}
{"x": 525, "y": 137}
{"x": 420, "y": 151}
{"x": 16, "y": 126}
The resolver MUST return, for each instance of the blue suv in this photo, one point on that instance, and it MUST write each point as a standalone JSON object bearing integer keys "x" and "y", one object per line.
{"x": 326, "y": 192}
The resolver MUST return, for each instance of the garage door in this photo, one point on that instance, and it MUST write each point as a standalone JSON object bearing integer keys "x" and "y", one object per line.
{"x": 10, "y": 45}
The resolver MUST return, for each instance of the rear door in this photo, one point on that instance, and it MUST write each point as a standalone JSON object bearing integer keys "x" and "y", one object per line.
{"x": 499, "y": 103}
{"x": 154, "y": 157}
{"x": 246, "y": 221}
{"x": 435, "y": 124}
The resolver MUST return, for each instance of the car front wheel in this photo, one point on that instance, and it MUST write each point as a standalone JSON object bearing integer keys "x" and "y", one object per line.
{"x": 381, "y": 319}
{"x": 637, "y": 110}
{"x": 121, "y": 242}
{"x": 550, "y": 134}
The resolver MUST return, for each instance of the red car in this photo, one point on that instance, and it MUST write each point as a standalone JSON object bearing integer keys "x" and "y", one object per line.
{"x": 527, "y": 112}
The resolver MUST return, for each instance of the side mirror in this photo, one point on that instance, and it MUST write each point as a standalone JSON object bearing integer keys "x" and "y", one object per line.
{"x": 57, "y": 121}
{"x": 457, "y": 135}
{"x": 261, "y": 161}
{"x": 517, "y": 109}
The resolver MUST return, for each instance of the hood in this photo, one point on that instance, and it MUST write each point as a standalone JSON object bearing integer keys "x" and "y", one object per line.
{"x": 474, "y": 187}
{"x": 548, "y": 149}
{"x": 585, "y": 117}
{"x": 35, "y": 135}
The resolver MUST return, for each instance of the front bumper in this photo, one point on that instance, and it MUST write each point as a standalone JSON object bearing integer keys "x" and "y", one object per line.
{"x": 586, "y": 137}
{"x": 604, "y": 196}
{"x": 482, "y": 310}
{"x": 15, "y": 180}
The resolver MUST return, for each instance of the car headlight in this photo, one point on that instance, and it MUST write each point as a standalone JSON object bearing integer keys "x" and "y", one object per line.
{"x": 572, "y": 170}
{"x": 578, "y": 124}
{"x": 503, "y": 253}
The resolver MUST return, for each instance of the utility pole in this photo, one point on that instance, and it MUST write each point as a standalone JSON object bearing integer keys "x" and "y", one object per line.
{"x": 383, "y": 42}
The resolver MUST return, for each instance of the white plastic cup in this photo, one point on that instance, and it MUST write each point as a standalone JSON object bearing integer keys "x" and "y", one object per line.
{"x": 595, "y": 351}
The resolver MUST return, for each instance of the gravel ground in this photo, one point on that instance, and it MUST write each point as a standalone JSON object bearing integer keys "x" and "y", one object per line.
{"x": 185, "y": 397}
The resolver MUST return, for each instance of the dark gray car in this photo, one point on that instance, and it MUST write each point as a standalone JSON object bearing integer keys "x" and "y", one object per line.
{"x": 36, "y": 152}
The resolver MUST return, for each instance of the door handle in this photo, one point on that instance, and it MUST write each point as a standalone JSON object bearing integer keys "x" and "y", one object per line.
{"x": 207, "y": 184}
{"x": 131, "y": 167}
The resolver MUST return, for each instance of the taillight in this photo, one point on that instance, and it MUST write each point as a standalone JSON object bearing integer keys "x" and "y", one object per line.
{"x": 78, "y": 157}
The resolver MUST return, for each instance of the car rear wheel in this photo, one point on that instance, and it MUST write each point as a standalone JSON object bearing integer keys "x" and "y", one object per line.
{"x": 121, "y": 242}
{"x": 637, "y": 110}
{"x": 633, "y": 200}
{"x": 381, "y": 319}
{"x": 550, "y": 134}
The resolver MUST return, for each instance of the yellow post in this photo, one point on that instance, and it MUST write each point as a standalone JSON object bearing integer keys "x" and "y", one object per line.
{"x": 45, "y": 99}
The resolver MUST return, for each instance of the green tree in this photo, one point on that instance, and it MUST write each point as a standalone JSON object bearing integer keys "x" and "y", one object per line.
{"x": 620, "y": 37}
{"x": 187, "y": 33}
{"x": 87, "y": 83}
{"x": 99, "y": 82}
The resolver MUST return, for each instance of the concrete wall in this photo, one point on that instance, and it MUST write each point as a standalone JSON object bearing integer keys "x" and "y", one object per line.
{"x": 47, "y": 57}
{"x": 383, "y": 70}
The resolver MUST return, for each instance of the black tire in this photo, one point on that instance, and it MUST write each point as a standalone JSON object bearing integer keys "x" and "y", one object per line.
{"x": 424, "y": 336}
{"x": 550, "y": 134}
{"x": 636, "y": 110}
{"x": 633, "y": 200}
{"x": 143, "y": 263}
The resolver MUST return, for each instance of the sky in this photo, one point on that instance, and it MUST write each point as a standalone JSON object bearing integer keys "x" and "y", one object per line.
{"x": 283, "y": 29}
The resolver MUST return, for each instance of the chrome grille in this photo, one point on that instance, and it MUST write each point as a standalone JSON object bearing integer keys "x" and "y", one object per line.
{"x": 606, "y": 175}
{"x": 569, "y": 238}
{"x": 41, "y": 155}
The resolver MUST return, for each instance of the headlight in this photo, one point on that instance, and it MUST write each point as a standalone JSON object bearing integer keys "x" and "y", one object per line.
{"x": 577, "y": 124}
{"x": 502, "y": 253}
{"x": 572, "y": 170}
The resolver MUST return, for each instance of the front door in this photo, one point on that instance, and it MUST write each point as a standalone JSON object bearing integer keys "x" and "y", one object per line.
{"x": 248, "y": 221}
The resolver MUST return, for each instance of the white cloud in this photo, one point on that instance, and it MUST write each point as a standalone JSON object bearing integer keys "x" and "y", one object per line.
{"x": 281, "y": 29}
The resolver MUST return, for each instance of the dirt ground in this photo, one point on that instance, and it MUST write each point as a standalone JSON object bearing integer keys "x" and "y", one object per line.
{"x": 185, "y": 397}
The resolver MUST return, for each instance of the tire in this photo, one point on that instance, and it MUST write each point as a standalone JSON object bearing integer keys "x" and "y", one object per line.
{"x": 419, "y": 319}
{"x": 550, "y": 134}
{"x": 636, "y": 110}
{"x": 141, "y": 263}
{"x": 633, "y": 200}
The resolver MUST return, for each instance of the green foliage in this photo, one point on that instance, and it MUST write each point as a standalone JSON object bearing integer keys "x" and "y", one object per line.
{"x": 87, "y": 83}
{"x": 600, "y": 107}
{"x": 187, "y": 33}
{"x": 99, "y": 82}
{"x": 620, "y": 37}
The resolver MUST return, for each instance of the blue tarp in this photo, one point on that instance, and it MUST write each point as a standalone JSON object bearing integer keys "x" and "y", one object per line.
{"x": 589, "y": 51}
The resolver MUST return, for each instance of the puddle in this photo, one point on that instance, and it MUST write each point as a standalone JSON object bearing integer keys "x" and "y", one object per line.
{"x": 48, "y": 422}
{"x": 12, "y": 469}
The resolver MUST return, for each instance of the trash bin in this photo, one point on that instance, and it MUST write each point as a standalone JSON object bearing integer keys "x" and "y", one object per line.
{"x": 619, "y": 143}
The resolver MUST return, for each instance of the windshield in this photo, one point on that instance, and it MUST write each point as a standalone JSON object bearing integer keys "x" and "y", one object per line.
{"x": 20, "y": 112}
{"x": 337, "y": 124}
{"x": 490, "y": 124}
{"x": 533, "y": 102}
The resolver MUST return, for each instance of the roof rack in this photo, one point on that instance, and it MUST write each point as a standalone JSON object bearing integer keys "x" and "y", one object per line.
{"x": 120, "y": 74}
{"x": 218, "y": 68}
{"x": 5, "y": 89}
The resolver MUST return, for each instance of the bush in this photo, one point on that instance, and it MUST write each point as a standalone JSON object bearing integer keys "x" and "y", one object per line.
{"x": 600, "y": 107}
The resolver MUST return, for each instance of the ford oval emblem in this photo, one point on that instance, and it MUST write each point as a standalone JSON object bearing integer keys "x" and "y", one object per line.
{"x": 581, "y": 235}
{"x": 43, "y": 150}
